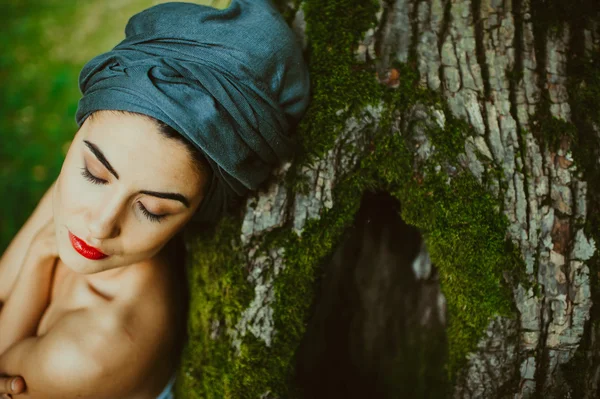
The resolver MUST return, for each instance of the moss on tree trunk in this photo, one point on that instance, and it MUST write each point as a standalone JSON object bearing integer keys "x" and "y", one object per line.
{"x": 481, "y": 118}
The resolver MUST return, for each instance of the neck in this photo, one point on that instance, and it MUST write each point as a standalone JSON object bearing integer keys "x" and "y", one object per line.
{"x": 105, "y": 275}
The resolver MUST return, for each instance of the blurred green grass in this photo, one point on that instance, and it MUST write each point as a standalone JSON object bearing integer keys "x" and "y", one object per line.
{"x": 43, "y": 47}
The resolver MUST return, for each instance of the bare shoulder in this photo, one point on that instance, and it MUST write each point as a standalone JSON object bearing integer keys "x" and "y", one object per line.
{"x": 130, "y": 337}
{"x": 144, "y": 320}
{"x": 153, "y": 287}
{"x": 114, "y": 347}
{"x": 150, "y": 300}
{"x": 147, "y": 296}
{"x": 140, "y": 341}
{"x": 97, "y": 352}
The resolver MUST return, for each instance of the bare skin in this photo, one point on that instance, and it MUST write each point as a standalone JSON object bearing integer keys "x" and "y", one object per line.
{"x": 151, "y": 283}
{"x": 7, "y": 387}
{"x": 92, "y": 321}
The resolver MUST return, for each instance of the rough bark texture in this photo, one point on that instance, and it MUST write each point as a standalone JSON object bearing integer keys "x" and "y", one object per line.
{"x": 492, "y": 95}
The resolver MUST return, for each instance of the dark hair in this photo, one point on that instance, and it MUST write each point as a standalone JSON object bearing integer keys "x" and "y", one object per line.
{"x": 199, "y": 159}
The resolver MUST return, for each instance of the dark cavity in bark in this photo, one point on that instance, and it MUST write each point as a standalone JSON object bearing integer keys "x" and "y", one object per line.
{"x": 378, "y": 329}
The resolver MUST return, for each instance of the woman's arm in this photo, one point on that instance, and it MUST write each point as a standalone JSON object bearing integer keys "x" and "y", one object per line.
{"x": 12, "y": 259}
{"x": 63, "y": 363}
{"x": 89, "y": 353}
{"x": 30, "y": 296}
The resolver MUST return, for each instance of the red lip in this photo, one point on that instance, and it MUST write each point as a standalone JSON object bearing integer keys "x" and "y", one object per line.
{"x": 84, "y": 249}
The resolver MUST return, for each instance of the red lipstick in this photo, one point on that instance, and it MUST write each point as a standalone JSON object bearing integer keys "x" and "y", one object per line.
{"x": 84, "y": 249}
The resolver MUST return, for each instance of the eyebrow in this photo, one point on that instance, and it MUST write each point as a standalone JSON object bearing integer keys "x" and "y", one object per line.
{"x": 172, "y": 196}
{"x": 93, "y": 148}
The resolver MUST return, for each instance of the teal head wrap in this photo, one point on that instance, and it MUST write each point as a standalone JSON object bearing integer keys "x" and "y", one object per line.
{"x": 232, "y": 81}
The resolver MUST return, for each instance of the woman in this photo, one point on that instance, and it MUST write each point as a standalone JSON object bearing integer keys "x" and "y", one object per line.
{"x": 185, "y": 116}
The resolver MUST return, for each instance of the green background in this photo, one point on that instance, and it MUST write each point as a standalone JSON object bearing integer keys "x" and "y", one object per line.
{"x": 43, "y": 46}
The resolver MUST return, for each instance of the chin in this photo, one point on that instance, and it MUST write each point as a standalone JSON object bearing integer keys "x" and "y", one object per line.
{"x": 79, "y": 264}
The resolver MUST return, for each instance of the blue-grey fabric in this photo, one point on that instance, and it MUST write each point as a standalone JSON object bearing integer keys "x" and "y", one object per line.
{"x": 167, "y": 392}
{"x": 232, "y": 81}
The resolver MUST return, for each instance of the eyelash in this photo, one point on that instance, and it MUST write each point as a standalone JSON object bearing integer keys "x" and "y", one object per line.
{"x": 90, "y": 177}
{"x": 93, "y": 179}
{"x": 152, "y": 217}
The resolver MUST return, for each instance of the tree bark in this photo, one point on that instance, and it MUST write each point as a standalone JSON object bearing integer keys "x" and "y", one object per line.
{"x": 516, "y": 79}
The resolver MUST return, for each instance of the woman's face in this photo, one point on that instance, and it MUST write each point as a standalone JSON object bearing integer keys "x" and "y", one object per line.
{"x": 125, "y": 190}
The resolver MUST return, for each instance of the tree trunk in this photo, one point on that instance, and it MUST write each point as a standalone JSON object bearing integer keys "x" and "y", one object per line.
{"x": 477, "y": 122}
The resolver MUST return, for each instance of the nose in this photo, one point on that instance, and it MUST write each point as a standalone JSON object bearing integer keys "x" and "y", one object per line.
{"x": 103, "y": 221}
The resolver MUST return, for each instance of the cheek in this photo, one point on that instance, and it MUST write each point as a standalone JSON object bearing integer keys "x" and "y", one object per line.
{"x": 146, "y": 241}
{"x": 143, "y": 240}
{"x": 71, "y": 191}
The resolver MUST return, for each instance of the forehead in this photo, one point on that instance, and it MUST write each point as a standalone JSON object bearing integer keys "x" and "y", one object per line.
{"x": 137, "y": 150}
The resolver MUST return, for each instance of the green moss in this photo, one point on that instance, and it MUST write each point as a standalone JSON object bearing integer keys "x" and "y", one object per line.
{"x": 466, "y": 240}
{"x": 465, "y": 235}
{"x": 462, "y": 223}
{"x": 210, "y": 369}
{"x": 334, "y": 29}
{"x": 470, "y": 269}
{"x": 218, "y": 293}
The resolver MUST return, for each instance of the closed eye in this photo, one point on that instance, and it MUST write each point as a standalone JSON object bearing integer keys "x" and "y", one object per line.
{"x": 96, "y": 180}
{"x": 90, "y": 177}
{"x": 149, "y": 215}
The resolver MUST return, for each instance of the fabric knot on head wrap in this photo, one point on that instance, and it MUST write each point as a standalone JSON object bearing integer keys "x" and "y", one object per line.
{"x": 232, "y": 81}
